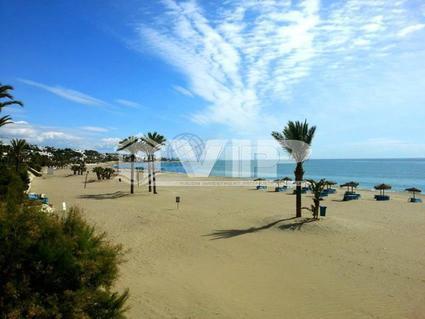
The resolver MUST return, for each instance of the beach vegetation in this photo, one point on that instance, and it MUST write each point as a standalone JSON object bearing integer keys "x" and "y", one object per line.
{"x": 7, "y": 99}
{"x": 154, "y": 142}
{"x": 56, "y": 267}
{"x": 98, "y": 170}
{"x": 78, "y": 169}
{"x": 18, "y": 152}
{"x": 107, "y": 173}
{"x": 103, "y": 172}
{"x": 317, "y": 188}
{"x": 296, "y": 131}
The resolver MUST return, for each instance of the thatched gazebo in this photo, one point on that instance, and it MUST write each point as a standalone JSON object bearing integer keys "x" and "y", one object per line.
{"x": 286, "y": 179}
{"x": 413, "y": 190}
{"x": 382, "y": 188}
{"x": 329, "y": 184}
{"x": 259, "y": 180}
{"x": 351, "y": 185}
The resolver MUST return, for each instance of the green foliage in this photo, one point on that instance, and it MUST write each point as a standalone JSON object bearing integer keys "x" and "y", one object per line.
{"x": 13, "y": 183}
{"x": 65, "y": 156}
{"x": 154, "y": 141}
{"x": 78, "y": 169}
{"x": 98, "y": 171}
{"x": 108, "y": 172}
{"x": 297, "y": 131}
{"x": 317, "y": 188}
{"x": 53, "y": 267}
{"x": 4, "y": 120}
{"x": 18, "y": 152}
{"x": 103, "y": 173}
{"x": 6, "y": 99}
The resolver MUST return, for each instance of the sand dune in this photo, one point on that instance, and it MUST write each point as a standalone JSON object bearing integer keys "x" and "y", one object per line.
{"x": 239, "y": 253}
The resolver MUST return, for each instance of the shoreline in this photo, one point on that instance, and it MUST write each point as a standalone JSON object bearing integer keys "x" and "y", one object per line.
{"x": 247, "y": 182}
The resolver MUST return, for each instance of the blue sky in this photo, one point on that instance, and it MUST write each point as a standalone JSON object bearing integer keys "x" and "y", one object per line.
{"x": 91, "y": 72}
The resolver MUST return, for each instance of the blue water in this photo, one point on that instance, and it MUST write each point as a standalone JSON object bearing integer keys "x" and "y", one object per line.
{"x": 400, "y": 173}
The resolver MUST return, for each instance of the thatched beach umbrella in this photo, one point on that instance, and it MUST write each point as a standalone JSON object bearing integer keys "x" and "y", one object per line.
{"x": 278, "y": 182}
{"x": 413, "y": 190}
{"x": 259, "y": 180}
{"x": 350, "y": 184}
{"x": 286, "y": 179}
{"x": 382, "y": 188}
{"x": 330, "y": 183}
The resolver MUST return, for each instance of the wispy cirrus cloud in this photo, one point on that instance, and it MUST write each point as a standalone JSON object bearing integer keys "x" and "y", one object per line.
{"x": 79, "y": 97}
{"x": 95, "y": 129}
{"x": 128, "y": 103}
{"x": 69, "y": 94}
{"x": 182, "y": 90}
{"x": 410, "y": 29}
{"x": 248, "y": 54}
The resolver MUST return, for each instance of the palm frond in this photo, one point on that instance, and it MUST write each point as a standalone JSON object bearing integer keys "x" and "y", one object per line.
{"x": 154, "y": 140}
{"x": 5, "y": 120}
{"x": 4, "y": 91}
{"x": 128, "y": 141}
{"x": 7, "y": 103}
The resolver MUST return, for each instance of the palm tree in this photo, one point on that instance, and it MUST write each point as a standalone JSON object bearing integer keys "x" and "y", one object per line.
{"x": 5, "y": 94}
{"x": 129, "y": 144}
{"x": 154, "y": 141}
{"x": 296, "y": 131}
{"x": 317, "y": 188}
{"x": 98, "y": 170}
{"x": 18, "y": 152}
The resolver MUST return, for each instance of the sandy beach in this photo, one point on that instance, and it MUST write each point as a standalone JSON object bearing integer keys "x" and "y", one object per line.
{"x": 234, "y": 252}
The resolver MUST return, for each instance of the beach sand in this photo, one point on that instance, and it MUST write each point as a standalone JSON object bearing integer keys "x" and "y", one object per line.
{"x": 234, "y": 252}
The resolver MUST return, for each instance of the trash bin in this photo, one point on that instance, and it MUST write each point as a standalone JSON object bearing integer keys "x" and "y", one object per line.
{"x": 323, "y": 211}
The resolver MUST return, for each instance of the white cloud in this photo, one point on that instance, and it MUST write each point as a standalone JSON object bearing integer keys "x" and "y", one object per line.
{"x": 410, "y": 29}
{"x": 182, "y": 90}
{"x": 128, "y": 103}
{"x": 110, "y": 142}
{"x": 35, "y": 134}
{"x": 361, "y": 42}
{"x": 69, "y": 94}
{"x": 60, "y": 137}
{"x": 95, "y": 129}
{"x": 252, "y": 54}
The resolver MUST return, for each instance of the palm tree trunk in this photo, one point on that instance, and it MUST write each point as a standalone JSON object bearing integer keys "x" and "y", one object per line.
{"x": 132, "y": 175}
{"x": 299, "y": 175}
{"x": 149, "y": 173}
{"x": 153, "y": 175}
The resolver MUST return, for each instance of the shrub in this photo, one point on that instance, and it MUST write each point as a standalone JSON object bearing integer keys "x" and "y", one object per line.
{"x": 53, "y": 267}
{"x": 12, "y": 183}
{"x": 317, "y": 188}
{"x": 108, "y": 172}
{"x": 75, "y": 169}
{"x": 99, "y": 172}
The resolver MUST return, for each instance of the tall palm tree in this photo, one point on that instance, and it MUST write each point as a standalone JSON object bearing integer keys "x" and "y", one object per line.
{"x": 155, "y": 141}
{"x": 129, "y": 144}
{"x": 296, "y": 131}
{"x": 6, "y": 99}
{"x": 18, "y": 152}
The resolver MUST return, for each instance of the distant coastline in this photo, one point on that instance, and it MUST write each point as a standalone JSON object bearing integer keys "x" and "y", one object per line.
{"x": 400, "y": 173}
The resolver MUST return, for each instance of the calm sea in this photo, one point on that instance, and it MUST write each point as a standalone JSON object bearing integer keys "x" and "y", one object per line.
{"x": 400, "y": 173}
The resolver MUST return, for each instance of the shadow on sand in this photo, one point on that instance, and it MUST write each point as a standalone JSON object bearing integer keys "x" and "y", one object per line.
{"x": 296, "y": 224}
{"x": 118, "y": 194}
